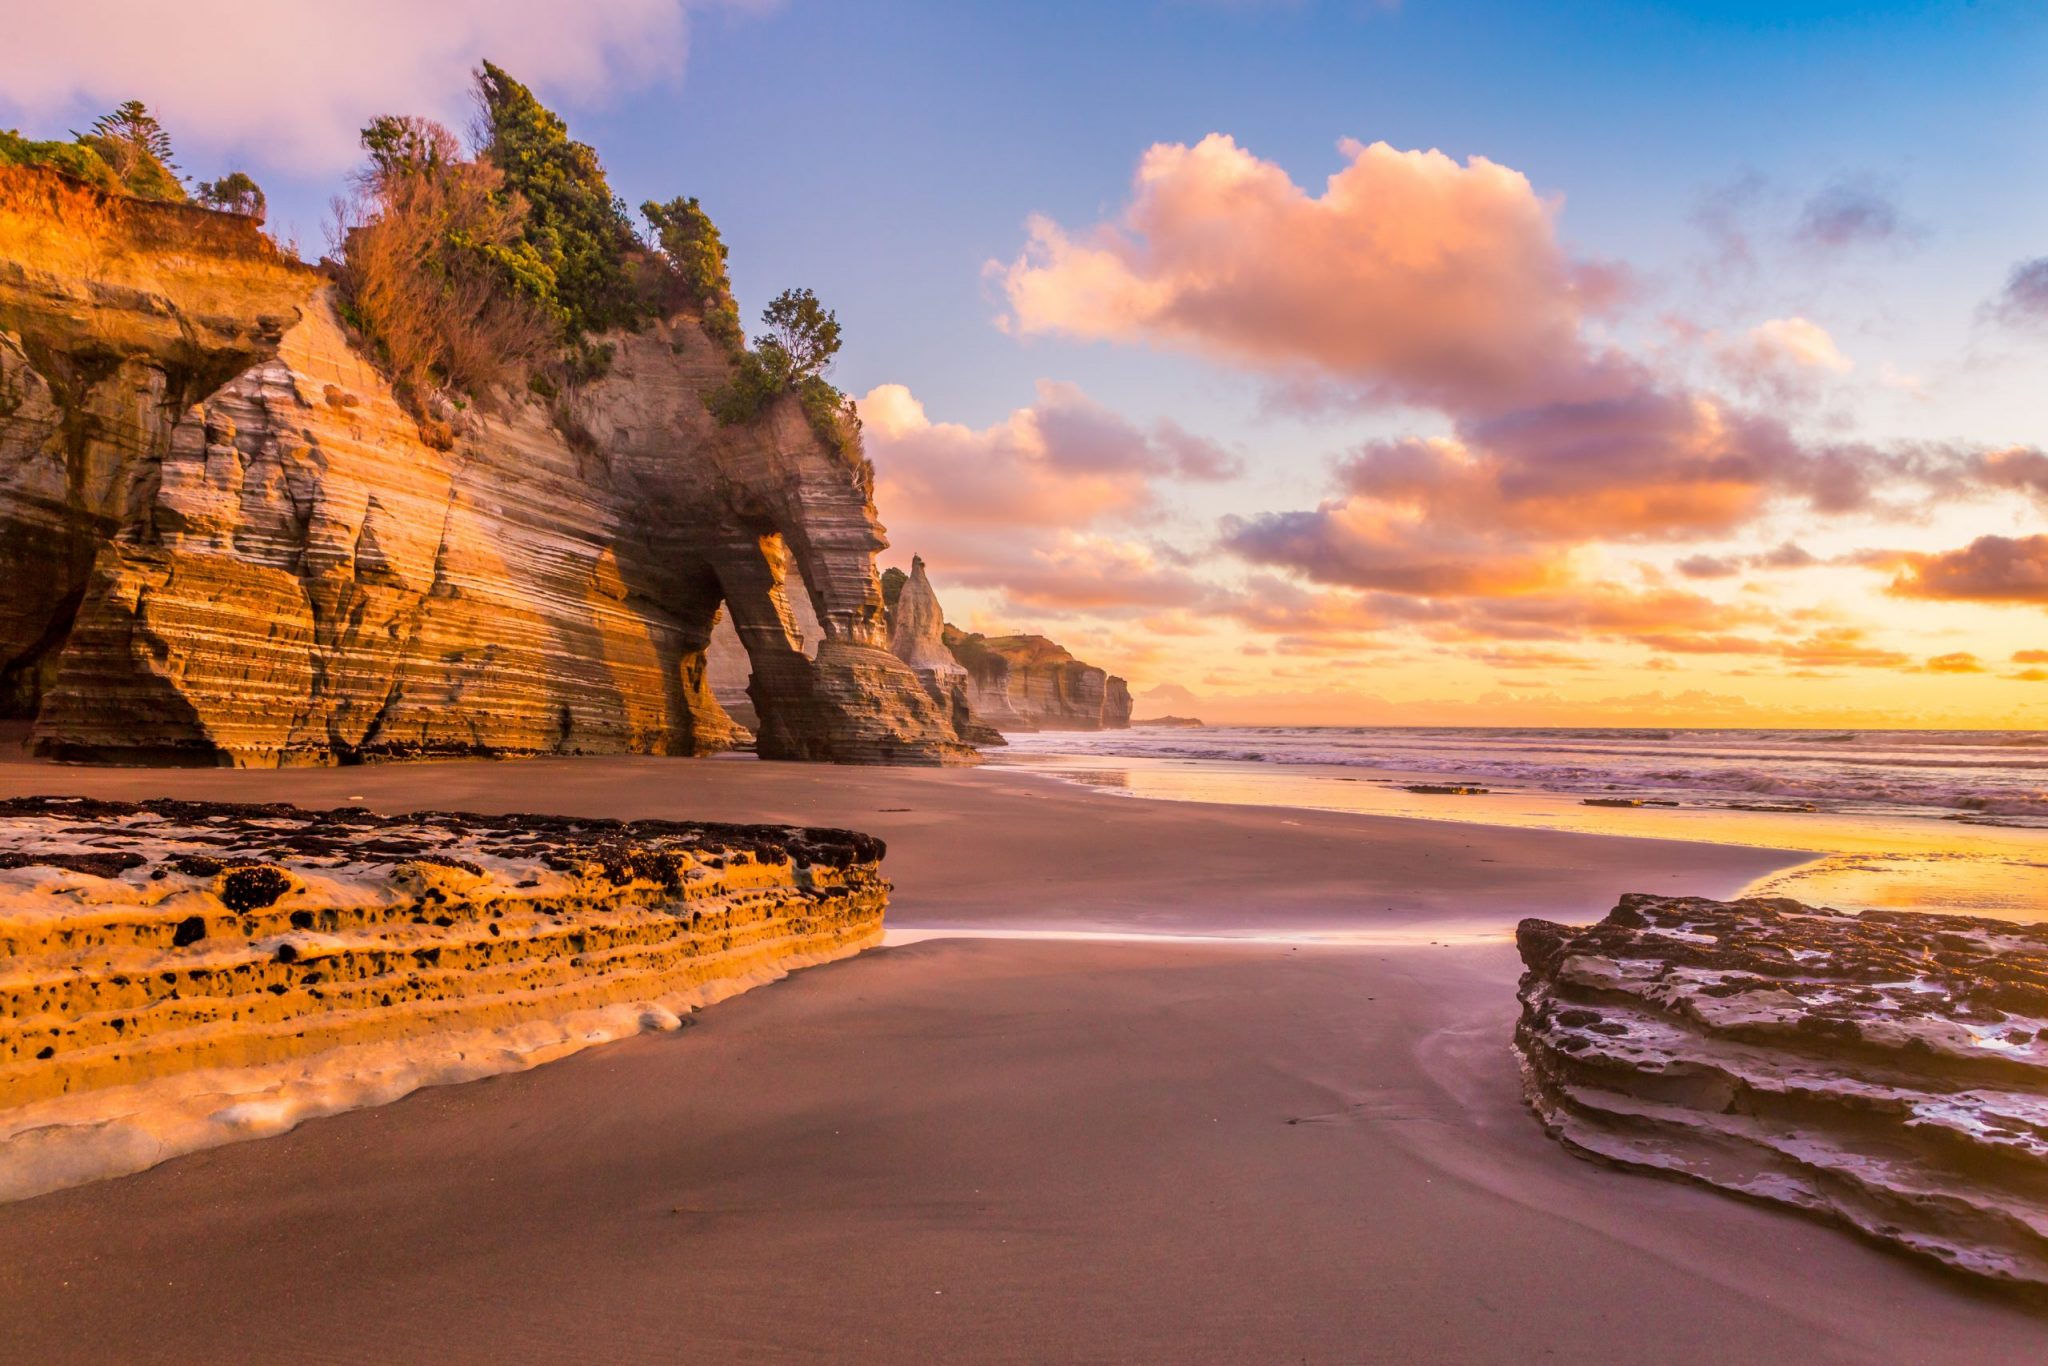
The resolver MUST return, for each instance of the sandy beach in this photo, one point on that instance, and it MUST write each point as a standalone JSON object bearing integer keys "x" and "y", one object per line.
{"x": 990, "y": 1149}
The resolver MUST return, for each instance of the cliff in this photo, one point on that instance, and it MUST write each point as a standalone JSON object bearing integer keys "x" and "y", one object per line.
{"x": 1027, "y": 682}
{"x": 917, "y": 629}
{"x": 183, "y": 974}
{"x": 222, "y": 540}
{"x": 1887, "y": 1071}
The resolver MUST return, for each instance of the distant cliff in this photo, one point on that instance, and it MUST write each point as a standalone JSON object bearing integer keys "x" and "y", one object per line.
{"x": 224, "y": 541}
{"x": 1026, "y": 682}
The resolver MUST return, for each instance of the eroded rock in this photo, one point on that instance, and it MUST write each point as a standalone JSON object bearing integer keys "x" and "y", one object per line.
{"x": 1888, "y": 1071}
{"x": 166, "y": 954}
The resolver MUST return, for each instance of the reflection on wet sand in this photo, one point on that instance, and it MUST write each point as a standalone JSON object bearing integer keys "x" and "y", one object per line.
{"x": 1894, "y": 862}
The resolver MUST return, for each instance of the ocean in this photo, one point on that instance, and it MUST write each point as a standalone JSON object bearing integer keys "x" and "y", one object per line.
{"x": 1976, "y": 776}
{"x": 1895, "y": 819}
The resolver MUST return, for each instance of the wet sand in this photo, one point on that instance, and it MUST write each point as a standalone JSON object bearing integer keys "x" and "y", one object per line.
{"x": 979, "y": 1149}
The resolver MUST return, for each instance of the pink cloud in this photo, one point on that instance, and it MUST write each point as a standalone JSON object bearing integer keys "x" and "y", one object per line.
{"x": 1411, "y": 276}
{"x": 289, "y": 85}
{"x": 1039, "y": 506}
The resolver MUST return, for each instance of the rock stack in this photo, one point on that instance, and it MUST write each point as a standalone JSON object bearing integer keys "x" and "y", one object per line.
{"x": 917, "y": 632}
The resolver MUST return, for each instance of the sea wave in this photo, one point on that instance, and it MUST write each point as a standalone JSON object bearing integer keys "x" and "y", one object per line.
{"x": 1971, "y": 773}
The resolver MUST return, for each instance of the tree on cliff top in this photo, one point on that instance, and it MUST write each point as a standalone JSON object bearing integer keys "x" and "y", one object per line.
{"x": 803, "y": 335}
{"x": 236, "y": 193}
{"x": 137, "y": 148}
{"x": 576, "y": 226}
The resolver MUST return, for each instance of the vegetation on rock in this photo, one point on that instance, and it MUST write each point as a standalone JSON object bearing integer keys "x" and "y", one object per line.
{"x": 436, "y": 270}
{"x": 696, "y": 255}
{"x": 236, "y": 193}
{"x": 138, "y": 150}
{"x": 125, "y": 152}
{"x": 573, "y": 222}
{"x": 802, "y": 338}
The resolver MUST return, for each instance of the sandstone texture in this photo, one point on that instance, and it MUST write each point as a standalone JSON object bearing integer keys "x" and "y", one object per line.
{"x": 1888, "y": 1071}
{"x": 172, "y": 958}
{"x": 222, "y": 540}
{"x": 1027, "y": 682}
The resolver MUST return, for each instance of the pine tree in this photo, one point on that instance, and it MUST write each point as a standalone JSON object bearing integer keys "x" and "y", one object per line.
{"x": 135, "y": 145}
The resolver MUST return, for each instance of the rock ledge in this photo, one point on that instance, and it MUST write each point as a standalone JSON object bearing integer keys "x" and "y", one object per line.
{"x": 177, "y": 974}
{"x": 1887, "y": 1071}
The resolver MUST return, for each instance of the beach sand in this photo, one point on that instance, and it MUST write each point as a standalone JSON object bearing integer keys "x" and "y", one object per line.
{"x": 989, "y": 1149}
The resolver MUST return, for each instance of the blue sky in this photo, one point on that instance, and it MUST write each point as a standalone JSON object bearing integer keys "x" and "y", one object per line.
{"x": 886, "y": 154}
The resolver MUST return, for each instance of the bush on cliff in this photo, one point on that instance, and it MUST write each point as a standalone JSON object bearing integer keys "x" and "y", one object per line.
{"x": 234, "y": 193}
{"x": 71, "y": 158}
{"x": 137, "y": 148}
{"x": 696, "y": 257}
{"x": 126, "y": 152}
{"x": 572, "y": 221}
{"x": 436, "y": 269}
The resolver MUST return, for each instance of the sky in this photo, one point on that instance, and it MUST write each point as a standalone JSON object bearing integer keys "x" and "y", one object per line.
{"x": 1328, "y": 361}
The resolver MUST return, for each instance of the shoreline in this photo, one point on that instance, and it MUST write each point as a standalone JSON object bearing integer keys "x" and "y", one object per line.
{"x": 1126, "y": 1096}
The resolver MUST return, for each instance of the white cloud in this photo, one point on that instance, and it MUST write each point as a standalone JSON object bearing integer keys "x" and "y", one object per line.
{"x": 287, "y": 85}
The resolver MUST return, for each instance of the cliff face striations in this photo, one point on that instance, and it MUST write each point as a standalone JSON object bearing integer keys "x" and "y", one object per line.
{"x": 182, "y": 974}
{"x": 1888, "y": 1071}
{"x": 1029, "y": 683}
{"x": 224, "y": 541}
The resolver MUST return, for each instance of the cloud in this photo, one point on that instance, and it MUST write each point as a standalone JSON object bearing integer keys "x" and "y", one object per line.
{"x": 1040, "y": 505}
{"x": 288, "y": 85}
{"x": 1959, "y": 662}
{"x": 2023, "y": 302}
{"x": 2030, "y": 656}
{"x": 1784, "y": 556}
{"x": 2010, "y": 569}
{"x": 1844, "y": 215}
{"x": 1412, "y": 276}
{"x": 1783, "y": 359}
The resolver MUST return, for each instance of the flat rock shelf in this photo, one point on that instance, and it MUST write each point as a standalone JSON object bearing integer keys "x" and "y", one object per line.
{"x": 1888, "y": 1071}
{"x": 179, "y": 974}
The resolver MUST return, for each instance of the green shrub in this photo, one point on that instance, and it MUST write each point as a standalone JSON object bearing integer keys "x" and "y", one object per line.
{"x": 803, "y": 337}
{"x": 577, "y": 228}
{"x": 135, "y": 145}
{"x": 73, "y": 159}
{"x": 696, "y": 255}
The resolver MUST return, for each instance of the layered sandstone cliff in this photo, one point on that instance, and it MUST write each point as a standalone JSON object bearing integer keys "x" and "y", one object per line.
{"x": 222, "y": 540}
{"x": 174, "y": 975}
{"x": 1888, "y": 1071}
{"x": 1027, "y": 682}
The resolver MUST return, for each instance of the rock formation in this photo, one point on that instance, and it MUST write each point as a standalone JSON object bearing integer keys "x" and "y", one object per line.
{"x": 1888, "y": 1071}
{"x": 917, "y": 628}
{"x": 180, "y": 974}
{"x": 222, "y": 540}
{"x": 1029, "y": 683}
